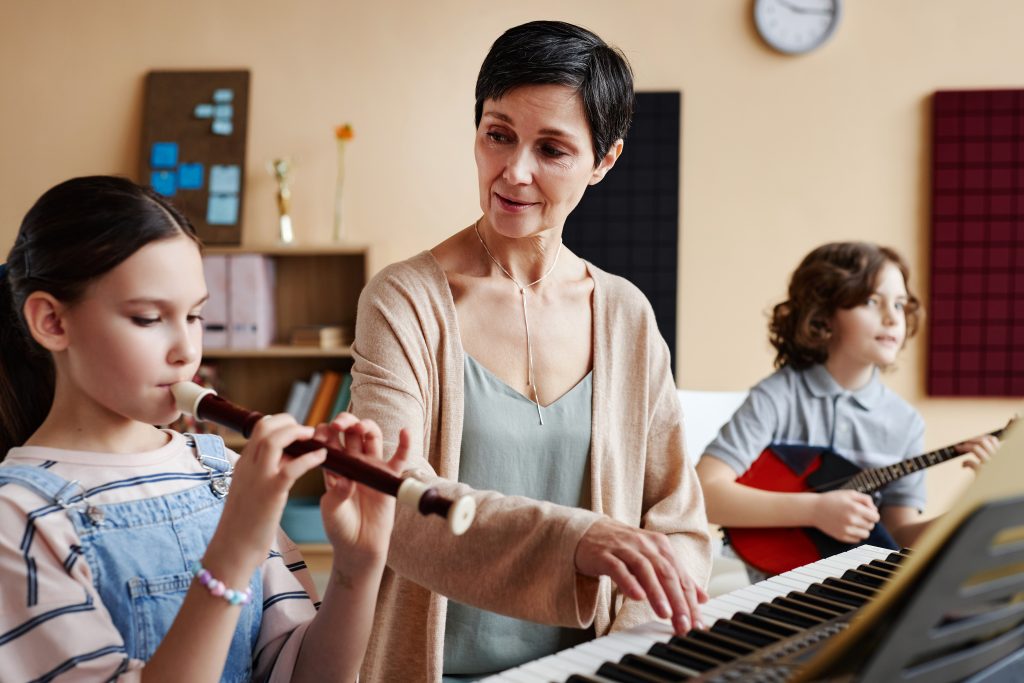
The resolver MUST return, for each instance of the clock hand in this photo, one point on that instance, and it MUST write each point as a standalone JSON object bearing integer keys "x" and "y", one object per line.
{"x": 804, "y": 10}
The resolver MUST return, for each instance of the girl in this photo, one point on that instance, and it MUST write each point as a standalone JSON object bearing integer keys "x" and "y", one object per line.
{"x": 120, "y": 556}
{"x": 849, "y": 313}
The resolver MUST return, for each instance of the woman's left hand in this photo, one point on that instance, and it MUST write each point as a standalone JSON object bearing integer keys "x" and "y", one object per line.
{"x": 644, "y": 565}
{"x": 357, "y": 518}
{"x": 979, "y": 450}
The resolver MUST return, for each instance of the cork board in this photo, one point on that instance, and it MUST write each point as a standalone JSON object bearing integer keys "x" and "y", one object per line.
{"x": 193, "y": 147}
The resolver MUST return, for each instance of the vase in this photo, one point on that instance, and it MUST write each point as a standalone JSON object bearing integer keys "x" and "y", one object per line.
{"x": 339, "y": 195}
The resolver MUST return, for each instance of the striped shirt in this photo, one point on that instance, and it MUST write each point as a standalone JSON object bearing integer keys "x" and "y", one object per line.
{"x": 63, "y": 632}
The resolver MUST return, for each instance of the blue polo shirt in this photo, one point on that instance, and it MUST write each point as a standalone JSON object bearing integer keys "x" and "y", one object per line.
{"x": 871, "y": 427}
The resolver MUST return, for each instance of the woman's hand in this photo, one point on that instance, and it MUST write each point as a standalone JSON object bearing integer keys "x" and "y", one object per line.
{"x": 358, "y": 519}
{"x": 979, "y": 450}
{"x": 846, "y": 516}
{"x": 642, "y": 564}
{"x": 259, "y": 488}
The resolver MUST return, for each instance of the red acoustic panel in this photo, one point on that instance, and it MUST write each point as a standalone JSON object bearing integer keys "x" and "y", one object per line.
{"x": 976, "y": 315}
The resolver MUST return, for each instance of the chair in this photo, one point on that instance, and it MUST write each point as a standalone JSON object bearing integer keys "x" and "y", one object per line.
{"x": 704, "y": 413}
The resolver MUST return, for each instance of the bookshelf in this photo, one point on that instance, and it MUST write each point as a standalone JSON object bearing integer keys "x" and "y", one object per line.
{"x": 314, "y": 285}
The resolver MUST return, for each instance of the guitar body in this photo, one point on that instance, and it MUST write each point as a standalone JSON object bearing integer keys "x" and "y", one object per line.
{"x": 790, "y": 469}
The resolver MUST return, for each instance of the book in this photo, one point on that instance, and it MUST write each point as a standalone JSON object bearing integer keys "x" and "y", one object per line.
{"x": 324, "y": 398}
{"x": 313, "y": 386}
{"x": 344, "y": 396}
{"x": 216, "y": 322}
{"x": 321, "y": 335}
{"x": 296, "y": 396}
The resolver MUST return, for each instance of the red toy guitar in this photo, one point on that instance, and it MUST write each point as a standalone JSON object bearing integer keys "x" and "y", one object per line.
{"x": 796, "y": 469}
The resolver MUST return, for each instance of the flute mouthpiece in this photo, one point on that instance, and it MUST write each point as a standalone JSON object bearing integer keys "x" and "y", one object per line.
{"x": 187, "y": 396}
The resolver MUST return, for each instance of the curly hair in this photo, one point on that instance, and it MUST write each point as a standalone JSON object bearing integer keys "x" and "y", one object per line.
{"x": 833, "y": 276}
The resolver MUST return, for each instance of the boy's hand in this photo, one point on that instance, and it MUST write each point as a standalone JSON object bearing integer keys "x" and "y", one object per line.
{"x": 846, "y": 516}
{"x": 979, "y": 450}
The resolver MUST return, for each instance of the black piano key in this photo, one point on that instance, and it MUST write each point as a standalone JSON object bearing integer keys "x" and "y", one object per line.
{"x": 882, "y": 564}
{"x": 781, "y": 628}
{"x": 786, "y": 616}
{"x": 853, "y": 587}
{"x": 594, "y": 678}
{"x": 898, "y": 556}
{"x": 682, "y": 657}
{"x": 659, "y": 667}
{"x": 819, "y": 601}
{"x": 805, "y": 608}
{"x": 748, "y": 634}
{"x": 869, "y": 580}
{"x": 854, "y": 600}
{"x": 628, "y": 674}
{"x": 882, "y": 574}
{"x": 703, "y": 648}
{"x": 738, "y": 647}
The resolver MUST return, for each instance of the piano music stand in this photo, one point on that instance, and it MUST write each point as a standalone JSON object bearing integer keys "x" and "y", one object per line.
{"x": 956, "y": 611}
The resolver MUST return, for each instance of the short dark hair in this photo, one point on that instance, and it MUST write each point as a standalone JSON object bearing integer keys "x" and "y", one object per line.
{"x": 558, "y": 53}
{"x": 833, "y": 276}
{"x": 75, "y": 233}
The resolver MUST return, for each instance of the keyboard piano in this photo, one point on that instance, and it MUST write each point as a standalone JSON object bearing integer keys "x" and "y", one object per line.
{"x": 754, "y": 633}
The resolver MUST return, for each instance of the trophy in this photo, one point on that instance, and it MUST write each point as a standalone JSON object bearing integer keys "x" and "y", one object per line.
{"x": 282, "y": 170}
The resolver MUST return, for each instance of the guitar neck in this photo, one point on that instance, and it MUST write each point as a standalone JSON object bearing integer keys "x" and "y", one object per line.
{"x": 871, "y": 480}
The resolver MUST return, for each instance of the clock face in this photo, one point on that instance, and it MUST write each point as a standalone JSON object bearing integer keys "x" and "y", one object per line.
{"x": 796, "y": 26}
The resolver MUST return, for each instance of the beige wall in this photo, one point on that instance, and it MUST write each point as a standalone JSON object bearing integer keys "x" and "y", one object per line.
{"x": 779, "y": 153}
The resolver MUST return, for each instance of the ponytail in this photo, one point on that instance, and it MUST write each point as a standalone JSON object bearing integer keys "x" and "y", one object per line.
{"x": 26, "y": 375}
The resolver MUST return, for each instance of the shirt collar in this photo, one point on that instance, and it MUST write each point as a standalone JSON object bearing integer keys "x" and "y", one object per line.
{"x": 822, "y": 384}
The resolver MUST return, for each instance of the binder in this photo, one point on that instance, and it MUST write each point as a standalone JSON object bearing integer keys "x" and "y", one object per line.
{"x": 251, "y": 300}
{"x": 216, "y": 318}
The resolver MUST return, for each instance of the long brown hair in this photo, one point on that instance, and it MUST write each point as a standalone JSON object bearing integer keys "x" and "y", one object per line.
{"x": 75, "y": 233}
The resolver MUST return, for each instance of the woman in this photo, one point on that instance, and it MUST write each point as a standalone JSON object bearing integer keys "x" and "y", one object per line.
{"x": 525, "y": 371}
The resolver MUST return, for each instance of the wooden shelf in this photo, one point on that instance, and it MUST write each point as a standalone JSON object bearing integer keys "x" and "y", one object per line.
{"x": 331, "y": 249}
{"x": 282, "y": 351}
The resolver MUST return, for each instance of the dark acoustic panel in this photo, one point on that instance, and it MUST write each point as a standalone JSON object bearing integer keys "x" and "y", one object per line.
{"x": 628, "y": 224}
{"x": 976, "y": 344}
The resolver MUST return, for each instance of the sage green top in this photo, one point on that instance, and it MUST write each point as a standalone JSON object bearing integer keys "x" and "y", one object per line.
{"x": 506, "y": 449}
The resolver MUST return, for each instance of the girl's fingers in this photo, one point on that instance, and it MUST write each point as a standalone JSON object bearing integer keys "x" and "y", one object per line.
{"x": 399, "y": 462}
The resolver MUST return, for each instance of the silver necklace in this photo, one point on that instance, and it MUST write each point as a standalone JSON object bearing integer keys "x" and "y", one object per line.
{"x": 526, "y": 319}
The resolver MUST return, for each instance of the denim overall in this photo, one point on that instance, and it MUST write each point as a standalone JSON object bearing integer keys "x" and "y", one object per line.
{"x": 140, "y": 551}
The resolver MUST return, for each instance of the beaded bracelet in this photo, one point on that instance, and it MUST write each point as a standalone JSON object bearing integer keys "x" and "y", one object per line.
{"x": 218, "y": 589}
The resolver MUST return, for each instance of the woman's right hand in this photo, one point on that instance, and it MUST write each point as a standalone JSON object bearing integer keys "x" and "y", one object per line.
{"x": 644, "y": 565}
{"x": 260, "y": 483}
{"x": 846, "y": 516}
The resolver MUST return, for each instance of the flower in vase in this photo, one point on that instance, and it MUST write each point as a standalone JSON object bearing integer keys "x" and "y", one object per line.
{"x": 342, "y": 134}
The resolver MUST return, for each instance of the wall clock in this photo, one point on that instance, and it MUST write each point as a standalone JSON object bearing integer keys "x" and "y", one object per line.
{"x": 796, "y": 26}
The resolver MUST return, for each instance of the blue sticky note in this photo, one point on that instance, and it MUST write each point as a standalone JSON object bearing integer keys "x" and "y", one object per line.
{"x": 190, "y": 176}
{"x": 225, "y": 179}
{"x": 222, "y": 209}
{"x": 221, "y": 127}
{"x": 204, "y": 111}
{"x": 221, "y": 95}
{"x": 223, "y": 111}
{"x": 163, "y": 155}
{"x": 164, "y": 182}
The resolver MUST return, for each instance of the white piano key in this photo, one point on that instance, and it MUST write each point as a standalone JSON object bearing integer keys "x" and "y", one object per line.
{"x": 518, "y": 676}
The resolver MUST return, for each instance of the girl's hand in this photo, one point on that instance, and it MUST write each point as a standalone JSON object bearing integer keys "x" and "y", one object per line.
{"x": 259, "y": 488}
{"x": 358, "y": 519}
{"x": 643, "y": 564}
{"x": 979, "y": 451}
{"x": 846, "y": 516}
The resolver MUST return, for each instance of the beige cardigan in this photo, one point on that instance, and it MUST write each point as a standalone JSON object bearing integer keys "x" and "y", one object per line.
{"x": 518, "y": 556}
